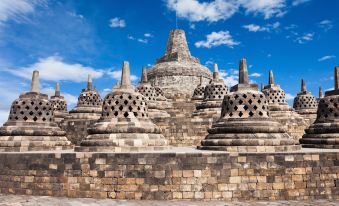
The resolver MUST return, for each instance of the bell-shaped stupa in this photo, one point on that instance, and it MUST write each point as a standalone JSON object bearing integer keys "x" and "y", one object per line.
{"x": 306, "y": 104}
{"x": 245, "y": 124}
{"x": 324, "y": 132}
{"x": 59, "y": 105}
{"x": 177, "y": 71}
{"x": 213, "y": 96}
{"x": 155, "y": 106}
{"x": 199, "y": 91}
{"x": 30, "y": 125}
{"x": 280, "y": 110}
{"x": 124, "y": 125}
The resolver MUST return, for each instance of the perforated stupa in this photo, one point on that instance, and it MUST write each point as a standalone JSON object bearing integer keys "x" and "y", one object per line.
{"x": 324, "y": 132}
{"x": 245, "y": 124}
{"x": 59, "y": 105}
{"x": 178, "y": 71}
{"x": 199, "y": 91}
{"x": 30, "y": 125}
{"x": 124, "y": 124}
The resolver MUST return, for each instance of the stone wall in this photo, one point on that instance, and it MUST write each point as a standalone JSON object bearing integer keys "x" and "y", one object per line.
{"x": 162, "y": 176}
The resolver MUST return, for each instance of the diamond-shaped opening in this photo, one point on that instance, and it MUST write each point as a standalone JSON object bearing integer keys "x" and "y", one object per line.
{"x": 130, "y": 108}
{"x": 231, "y": 114}
{"x": 36, "y": 108}
{"x": 125, "y": 102}
{"x": 245, "y": 107}
{"x": 335, "y": 105}
{"x": 253, "y": 95}
{"x": 240, "y": 101}
{"x": 251, "y": 113}
{"x": 116, "y": 113}
{"x": 25, "y": 118}
{"x": 260, "y": 113}
{"x": 236, "y": 96}
{"x": 22, "y": 112}
{"x": 43, "y": 119}
{"x": 32, "y": 103}
{"x": 250, "y": 101}
{"x": 255, "y": 107}
{"x": 31, "y": 113}
{"x": 116, "y": 102}
{"x": 241, "y": 114}
{"x": 244, "y": 95}
{"x": 259, "y": 101}
{"x": 235, "y": 108}
{"x": 47, "y": 113}
{"x": 121, "y": 97}
{"x": 112, "y": 108}
{"x": 27, "y": 107}
{"x": 35, "y": 119}
{"x": 126, "y": 114}
{"x": 16, "y": 118}
{"x": 231, "y": 102}
{"x": 44, "y": 108}
{"x": 135, "y": 114}
{"x": 121, "y": 107}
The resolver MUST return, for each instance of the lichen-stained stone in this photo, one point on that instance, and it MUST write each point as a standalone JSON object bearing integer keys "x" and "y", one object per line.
{"x": 245, "y": 124}
{"x": 281, "y": 112}
{"x": 214, "y": 94}
{"x": 30, "y": 125}
{"x": 59, "y": 105}
{"x": 177, "y": 71}
{"x": 156, "y": 101}
{"x": 306, "y": 104}
{"x": 124, "y": 125}
{"x": 324, "y": 132}
{"x": 84, "y": 114}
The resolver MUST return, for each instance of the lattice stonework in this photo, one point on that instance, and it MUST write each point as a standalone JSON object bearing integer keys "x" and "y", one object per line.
{"x": 305, "y": 102}
{"x": 148, "y": 92}
{"x": 215, "y": 91}
{"x": 245, "y": 105}
{"x": 89, "y": 98}
{"x": 159, "y": 92}
{"x": 59, "y": 105}
{"x": 328, "y": 109}
{"x": 275, "y": 96}
{"x": 199, "y": 91}
{"x": 124, "y": 105}
{"x": 31, "y": 110}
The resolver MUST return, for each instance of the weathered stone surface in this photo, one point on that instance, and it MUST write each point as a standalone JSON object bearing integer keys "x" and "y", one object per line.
{"x": 30, "y": 125}
{"x": 59, "y": 106}
{"x": 177, "y": 71}
{"x": 245, "y": 123}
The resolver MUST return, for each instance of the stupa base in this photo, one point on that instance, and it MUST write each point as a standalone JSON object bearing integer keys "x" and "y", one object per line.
{"x": 285, "y": 148}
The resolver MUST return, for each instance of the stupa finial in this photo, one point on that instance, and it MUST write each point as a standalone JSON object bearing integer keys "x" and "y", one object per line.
{"x": 89, "y": 82}
{"x": 336, "y": 78}
{"x": 144, "y": 75}
{"x": 35, "y": 86}
{"x": 262, "y": 87}
{"x": 200, "y": 83}
{"x": 303, "y": 85}
{"x": 57, "y": 90}
{"x": 320, "y": 92}
{"x": 125, "y": 76}
{"x": 215, "y": 72}
{"x": 271, "y": 77}
{"x": 243, "y": 72}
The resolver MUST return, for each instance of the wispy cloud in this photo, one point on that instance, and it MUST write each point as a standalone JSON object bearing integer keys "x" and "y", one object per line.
{"x": 258, "y": 28}
{"x": 326, "y": 24}
{"x": 298, "y": 2}
{"x": 116, "y": 74}
{"x": 289, "y": 96}
{"x": 255, "y": 75}
{"x": 53, "y": 68}
{"x": 327, "y": 57}
{"x": 145, "y": 39}
{"x": 215, "y": 39}
{"x": 116, "y": 22}
{"x": 266, "y": 8}
{"x": 306, "y": 37}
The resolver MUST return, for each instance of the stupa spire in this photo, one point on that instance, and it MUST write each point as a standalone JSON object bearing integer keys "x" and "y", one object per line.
{"x": 144, "y": 75}
{"x": 303, "y": 85}
{"x": 89, "y": 82}
{"x": 57, "y": 90}
{"x": 215, "y": 72}
{"x": 320, "y": 92}
{"x": 35, "y": 85}
{"x": 271, "y": 77}
{"x": 125, "y": 76}
{"x": 243, "y": 72}
{"x": 336, "y": 78}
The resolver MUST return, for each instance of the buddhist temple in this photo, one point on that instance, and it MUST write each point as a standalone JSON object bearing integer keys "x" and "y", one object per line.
{"x": 30, "y": 125}
{"x": 59, "y": 105}
{"x": 199, "y": 91}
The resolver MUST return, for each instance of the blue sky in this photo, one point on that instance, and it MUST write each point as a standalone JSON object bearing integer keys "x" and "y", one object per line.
{"x": 66, "y": 40}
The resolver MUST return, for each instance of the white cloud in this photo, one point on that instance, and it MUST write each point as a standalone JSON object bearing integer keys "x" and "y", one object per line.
{"x": 326, "y": 24}
{"x": 298, "y": 2}
{"x": 195, "y": 11}
{"x": 148, "y": 35}
{"x": 116, "y": 74}
{"x": 17, "y": 9}
{"x": 71, "y": 99}
{"x": 255, "y": 75}
{"x": 144, "y": 41}
{"x": 304, "y": 38}
{"x": 117, "y": 23}
{"x": 289, "y": 96}
{"x": 215, "y": 39}
{"x": 267, "y": 8}
{"x": 328, "y": 57}
{"x": 54, "y": 69}
{"x": 141, "y": 40}
{"x": 257, "y": 28}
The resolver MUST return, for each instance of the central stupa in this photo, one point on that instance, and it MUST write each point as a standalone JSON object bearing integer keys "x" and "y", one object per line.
{"x": 177, "y": 71}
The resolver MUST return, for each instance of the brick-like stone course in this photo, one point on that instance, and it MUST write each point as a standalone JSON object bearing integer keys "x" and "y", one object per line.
{"x": 166, "y": 176}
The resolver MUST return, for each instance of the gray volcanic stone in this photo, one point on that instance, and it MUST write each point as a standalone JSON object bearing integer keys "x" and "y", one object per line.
{"x": 177, "y": 71}
{"x": 324, "y": 132}
{"x": 124, "y": 125}
{"x": 245, "y": 124}
{"x": 281, "y": 112}
{"x": 59, "y": 105}
{"x": 30, "y": 125}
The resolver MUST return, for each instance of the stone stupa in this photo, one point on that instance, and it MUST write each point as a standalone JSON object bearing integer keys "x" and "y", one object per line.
{"x": 59, "y": 105}
{"x": 281, "y": 111}
{"x": 124, "y": 125}
{"x": 84, "y": 114}
{"x": 320, "y": 94}
{"x": 245, "y": 124}
{"x": 306, "y": 104}
{"x": 199, "y": 92}
{"x": 213, "y": 96}
{"x": 154, "y": 100}
{"x": 30, "y": 125}
{"x": 177, "y": 71}
{"x": 324, "y": 132}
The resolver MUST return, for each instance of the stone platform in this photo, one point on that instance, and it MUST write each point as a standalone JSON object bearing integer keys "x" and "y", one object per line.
{"x": 176, "y": 174}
